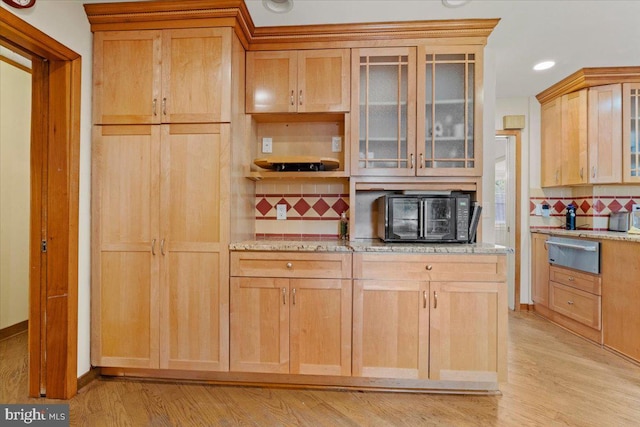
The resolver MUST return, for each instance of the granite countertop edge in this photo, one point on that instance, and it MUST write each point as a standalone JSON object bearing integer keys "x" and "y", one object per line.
{"x": 368, "y": 246}
{"x": 589, "y": 234}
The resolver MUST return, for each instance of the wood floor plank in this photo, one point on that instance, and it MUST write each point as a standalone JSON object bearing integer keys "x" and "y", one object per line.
{"x": 555, "y": 379}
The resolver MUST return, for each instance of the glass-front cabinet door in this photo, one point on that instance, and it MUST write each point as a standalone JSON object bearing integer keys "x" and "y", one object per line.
{"x": 448, "y": 143}
{"x": 384, "y": 111}
{"x": 630, "y": 132}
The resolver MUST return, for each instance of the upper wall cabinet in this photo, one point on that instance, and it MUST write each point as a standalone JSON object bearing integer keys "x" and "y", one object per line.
{"x": 589, "y": 128}
{"x": 305, "y": 81}
{"x": 419, "y": 111}
{"x": 167, "y": 76}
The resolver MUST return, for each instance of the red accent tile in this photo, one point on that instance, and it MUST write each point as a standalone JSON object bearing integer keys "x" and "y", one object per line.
{"x": 629, "y": 205}
{"x": 301, "y": 207}
{"x": 340, "y": 206}
{"x": 321, "y": 207}
{"x": 614, "y": 206}
{"x": 532, "y": 207}
{"x": 264, "y": 207}
{"x": 284, "y": 202}
{"x": 559, "y": 206}
{"x": 585, "y": 206}
{"x": 598, "y": 206}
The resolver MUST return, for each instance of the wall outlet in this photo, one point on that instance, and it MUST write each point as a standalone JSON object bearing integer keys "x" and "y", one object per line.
{"x": 336, "y": 144}
{"x": 267, "y": 145}
{"x": 538, "y": 210}
{"x": 635, "y": 208}
{"x": 281, "y": 211}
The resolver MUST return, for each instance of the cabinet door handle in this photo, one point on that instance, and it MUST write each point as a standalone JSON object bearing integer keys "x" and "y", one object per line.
{"x": 300, "y": 97}
{"x": 153, "y": 247}
{"x": 155, "y": 103}
{"x": 581, "y": 173}
{"x": 294, "y": 296}
{"x": 429, "y": 267}
{"x": 421, "y": 161}
{"x": 284, "y": 296}
{"x": 570, "y": 302}
{"x": 593, "y": 171}
{"x": 289, "y": 265}
{"x": 292, "y": 94}
{"x": 162, "y": 247}
{"x": 413, "y": 163}
{"x": 435, "y": 299}
{"x": 424, "y": 299}
{"x": 164, "y": 106}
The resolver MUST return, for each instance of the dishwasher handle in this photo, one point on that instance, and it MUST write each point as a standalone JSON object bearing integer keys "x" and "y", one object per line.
{"x": 569, "y": 245}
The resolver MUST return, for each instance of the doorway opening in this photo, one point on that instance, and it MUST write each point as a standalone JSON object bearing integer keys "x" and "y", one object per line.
{"x": 53, "y": 229}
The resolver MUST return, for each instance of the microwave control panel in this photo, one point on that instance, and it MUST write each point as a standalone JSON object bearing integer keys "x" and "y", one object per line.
{"x": 462, "y": 214}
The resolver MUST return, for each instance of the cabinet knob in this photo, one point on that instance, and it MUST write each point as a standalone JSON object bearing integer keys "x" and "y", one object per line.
{"x": 289, "y": 265}
{"x": 429, "y": 267}
{"x": 570, "y": 302}
{"x": 571, "y": 279}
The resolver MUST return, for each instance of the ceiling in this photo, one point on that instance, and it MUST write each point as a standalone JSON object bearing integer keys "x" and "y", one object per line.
{"x": 573, "y": 33}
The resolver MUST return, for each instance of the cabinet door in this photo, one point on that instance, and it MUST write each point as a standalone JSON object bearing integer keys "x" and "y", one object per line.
{"x": 196, "y": 75}
{"x": 621, "y": 297}
{"x": 605, "y": 134}
{"x": 260, "y": 325}
{"x": 271, "y": 82}
{"x": 539, "y": 270}
{"x": 574, "y": 138}
{"x": 383, "y": 93}
{"x": 193, "y": 247}
{"x": 449, "y": 112}
{"x": 126, "y": 77}
{"x": 551, "y": 143}
{"x": 390, "y": 329}
{"x": 125, "y": 256}
{"x": 323, "y": 80}
{"x": 631, "y": 132}
{"x": 468, "y": 340}
{"x": 320, "y": 330}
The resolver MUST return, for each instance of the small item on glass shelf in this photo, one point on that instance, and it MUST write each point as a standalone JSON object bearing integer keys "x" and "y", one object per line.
{"x": 344, "y": 226}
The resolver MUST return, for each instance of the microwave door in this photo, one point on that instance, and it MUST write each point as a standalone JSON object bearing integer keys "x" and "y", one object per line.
{"x": 404, "y": 219}
{"x": 439, "y": 219}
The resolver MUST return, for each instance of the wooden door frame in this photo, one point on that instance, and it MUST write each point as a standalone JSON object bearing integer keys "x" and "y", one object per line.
{"x": 517, "y": 134}
{"x": 55, "y": 165}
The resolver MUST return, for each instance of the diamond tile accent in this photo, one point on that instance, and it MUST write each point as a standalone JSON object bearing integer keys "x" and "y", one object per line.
{"x": 532, "y": 207}
{"x": 301, "y": 207}
{"x": 629, "y": 205}
{"x": 283, "y": 201}
{"x": 264, "y": 207}
{"x": 585, "y": 206}
{"x": 340, "y": 206}
{"x": 614, "y": 206}
{"x": 559, "y": 206}
{"x": 598, "y": 206}
{"x": 321, "y": 207}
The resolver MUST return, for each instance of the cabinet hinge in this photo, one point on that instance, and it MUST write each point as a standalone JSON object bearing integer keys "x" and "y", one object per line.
{"x": 43, "y": 246}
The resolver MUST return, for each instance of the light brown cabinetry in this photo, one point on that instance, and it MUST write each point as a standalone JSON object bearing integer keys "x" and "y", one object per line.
{"x": 605, "y": 134}
{"x": 161, "y": 265}
{"x": 304, "y": 81}
{"x": 551, "y": 148}
{"x": 631, "y": 132}
{"x": 621, "y": 297}
{"x": 291, "y": 313}
{"x": 441, "y": 137}
{"x": 162, "y": 76}
{"x": 441, "y": 317}
{"x": 574, "y": 138}
{"x": 539, "y": 270}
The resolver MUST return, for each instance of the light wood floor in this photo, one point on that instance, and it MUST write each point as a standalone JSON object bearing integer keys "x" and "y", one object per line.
{"x": 555, "y": 379}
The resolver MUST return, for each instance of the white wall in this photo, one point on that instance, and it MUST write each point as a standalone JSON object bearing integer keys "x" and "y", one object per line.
{"x": 15, "y": 138}
{"x": 66, "y": 22}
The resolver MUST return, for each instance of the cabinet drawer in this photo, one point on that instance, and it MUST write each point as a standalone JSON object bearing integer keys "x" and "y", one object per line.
{"x": 576, "y": 279}
{"x": 291, "y": 264}
{"x": 478, "y": 268}
{"x": 578, "y": 305}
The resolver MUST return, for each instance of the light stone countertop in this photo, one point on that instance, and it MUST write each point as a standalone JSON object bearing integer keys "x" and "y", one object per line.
{"x": 373, "y": 245}
{"x": 589, "y": 234}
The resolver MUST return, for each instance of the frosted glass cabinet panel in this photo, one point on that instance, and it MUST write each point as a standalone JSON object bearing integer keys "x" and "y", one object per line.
{"x": 385, "y": 93}
{"x": 447, "y": 139}
{"x": 631, "y": 126}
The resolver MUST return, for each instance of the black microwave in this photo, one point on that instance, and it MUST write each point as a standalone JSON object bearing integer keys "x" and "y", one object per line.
{"x": 427, "y": 218}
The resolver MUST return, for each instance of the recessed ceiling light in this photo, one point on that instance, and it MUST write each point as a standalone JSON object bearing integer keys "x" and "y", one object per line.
{"x": 544, "y": 65}
{"x": 455, "y": 3}
{"x": 278, "y": 6}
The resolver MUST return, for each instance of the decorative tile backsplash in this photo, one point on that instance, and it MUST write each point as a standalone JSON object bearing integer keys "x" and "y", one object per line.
{"x": 592, "y": 211}
{"x": 313, "y": 211}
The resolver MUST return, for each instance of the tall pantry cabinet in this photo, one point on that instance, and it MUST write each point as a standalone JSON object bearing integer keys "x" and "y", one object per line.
{"x": 161, "y": 203}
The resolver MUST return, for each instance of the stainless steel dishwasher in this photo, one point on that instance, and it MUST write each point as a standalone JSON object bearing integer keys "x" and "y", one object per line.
{"x": 583, "y": 255}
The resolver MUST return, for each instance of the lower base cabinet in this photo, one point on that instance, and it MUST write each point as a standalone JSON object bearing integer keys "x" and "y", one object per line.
{"x": 437, "y": 328}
